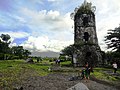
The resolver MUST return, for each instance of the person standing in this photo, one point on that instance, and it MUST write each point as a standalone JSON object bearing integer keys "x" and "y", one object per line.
{"x": 87, "y": 71}
{"x": 114, "y": 67}
{"x": 59, "y": 61}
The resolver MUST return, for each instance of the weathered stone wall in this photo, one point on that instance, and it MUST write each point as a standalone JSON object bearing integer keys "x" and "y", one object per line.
{"x": 85, "y": 37}
{"x": 89, "y": 53}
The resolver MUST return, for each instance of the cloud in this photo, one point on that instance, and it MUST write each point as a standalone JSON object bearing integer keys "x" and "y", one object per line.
{"x": 48, "y": 25}
{"x": 52, "y": 0}
{"x": 107, "y": 14}
{"x": 41, "y": 44}
{"x": 19, "y": 19}
{"x": 16, "y": 36}
{"x": 57, "y": 27}
{"x": 36, "y": 1}
{"x": 13, "y": 44}
{"x": 48, "y": 20}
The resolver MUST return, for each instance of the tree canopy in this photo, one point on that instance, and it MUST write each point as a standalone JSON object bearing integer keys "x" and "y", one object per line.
{"x": 15, "y": 52}
{"x": 5, "y": 37}
{"x": 69, "y": 50}
{"x": 113, "y": 39}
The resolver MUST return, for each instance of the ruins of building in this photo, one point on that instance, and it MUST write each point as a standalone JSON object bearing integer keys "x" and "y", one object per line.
{"x": 85, "y": 36}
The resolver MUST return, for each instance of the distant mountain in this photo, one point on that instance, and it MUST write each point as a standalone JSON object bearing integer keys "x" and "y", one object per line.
{"x": 45, "y": 54}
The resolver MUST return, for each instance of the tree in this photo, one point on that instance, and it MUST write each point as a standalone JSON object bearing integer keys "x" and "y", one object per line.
{"x": 1, "y": 47}
{"x": 109, "y": 56}
{"x": 5, "y": 37}
{"x": 69, "y": 50}
{"x": 113, "y": 39}
{"x": 26, "y": 53}
{"x": 4, "y": 44}
{"x": 103, "y": 57}
{"x": 18, "y": 51}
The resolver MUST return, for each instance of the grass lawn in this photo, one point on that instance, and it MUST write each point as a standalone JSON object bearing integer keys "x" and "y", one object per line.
{"x": 14, "y": 71}
{"x": 100, "y": 74}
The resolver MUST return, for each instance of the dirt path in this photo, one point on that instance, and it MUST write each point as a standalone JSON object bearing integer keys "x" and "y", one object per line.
{"x": 92, "y": 85}
{"x": 58, "y": 81}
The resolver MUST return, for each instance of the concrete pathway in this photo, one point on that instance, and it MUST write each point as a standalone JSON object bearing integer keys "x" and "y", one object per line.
{"x": 79, "y": 86}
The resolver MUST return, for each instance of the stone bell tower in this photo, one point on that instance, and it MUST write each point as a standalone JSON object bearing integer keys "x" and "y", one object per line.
{"x": 85, "y": 37}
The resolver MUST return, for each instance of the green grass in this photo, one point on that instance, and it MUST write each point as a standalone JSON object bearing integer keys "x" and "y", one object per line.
{"x": 41, "y": 70}
{"x": 17, "y": 70}
{"x": 100, "y": 74}
{"x": 66, "y": 63}
{"x": 14, "y": 71}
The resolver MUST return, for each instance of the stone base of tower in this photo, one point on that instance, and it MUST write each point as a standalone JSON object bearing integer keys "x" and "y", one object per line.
{"x": 90, "y": 54}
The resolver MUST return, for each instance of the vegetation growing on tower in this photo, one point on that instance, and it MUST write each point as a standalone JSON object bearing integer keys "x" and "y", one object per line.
{"x": 84, "y": 8}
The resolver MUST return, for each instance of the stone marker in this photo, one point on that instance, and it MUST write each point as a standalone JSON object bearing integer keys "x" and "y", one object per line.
{"x": 29, "y": 60}
{"x": 79, "y": 86}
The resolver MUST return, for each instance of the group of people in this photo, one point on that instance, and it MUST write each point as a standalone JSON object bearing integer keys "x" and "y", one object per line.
{"x": 57, "y": 61}
{"x": 87, "y": 69}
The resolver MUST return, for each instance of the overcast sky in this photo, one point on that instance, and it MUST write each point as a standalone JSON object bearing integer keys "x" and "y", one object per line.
{"x": 45, "y": 25}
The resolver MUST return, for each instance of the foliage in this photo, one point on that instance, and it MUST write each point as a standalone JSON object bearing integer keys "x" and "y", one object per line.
{"x": 15, "y": 52}
{"x": 84, "y": 8}
{"x": 5, "y": 37}
{"x": 103, "y": 57}
{"x": 1, "y": 56}
{"x": 113, "y": 42}
{"x": 69, "y": 50}
{"x": 62, "y": 57}
{"x": 113, "y": 57}
{"x": 4, "y": 44}
{"x": 26, "y": 53}
{"x": 113, "y": 39}
{"x": 19, "y": 51}
{"x": 109, "y": 56}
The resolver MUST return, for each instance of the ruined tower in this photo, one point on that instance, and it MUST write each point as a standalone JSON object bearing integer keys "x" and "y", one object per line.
{"x": 85, "y": 37}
